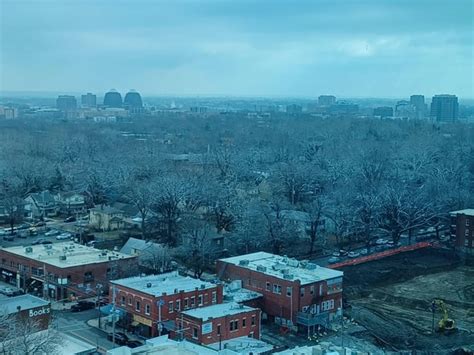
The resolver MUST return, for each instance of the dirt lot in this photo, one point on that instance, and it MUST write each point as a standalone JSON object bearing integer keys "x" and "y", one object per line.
{"x": 391, "y": 298}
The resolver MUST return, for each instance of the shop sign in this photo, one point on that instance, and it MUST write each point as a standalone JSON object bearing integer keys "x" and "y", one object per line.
{"x": 7, "y": 273}
{"x": 142, "y": 320}
{"x": 39, "y": 312}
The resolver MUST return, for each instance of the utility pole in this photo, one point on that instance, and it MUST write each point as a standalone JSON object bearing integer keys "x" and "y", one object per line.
{"x": 99, "y": 293}
{"x": 160, "y": 304}
{"x": 113, "y": 315}
{"x": 433, "y": 310}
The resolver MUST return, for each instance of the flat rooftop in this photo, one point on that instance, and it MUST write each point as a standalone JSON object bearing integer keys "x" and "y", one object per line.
{"x": 66, "y": 254}
{"x": 169, "y": 283}
{"x": 467, "y": 212}
{"x": 217, "y": 311}
{"x": 283, "y": 267}
{"x": 11, "y": 304}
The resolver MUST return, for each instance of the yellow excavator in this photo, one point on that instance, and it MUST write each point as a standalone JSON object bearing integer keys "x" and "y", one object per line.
{"x": 445, "y": 324}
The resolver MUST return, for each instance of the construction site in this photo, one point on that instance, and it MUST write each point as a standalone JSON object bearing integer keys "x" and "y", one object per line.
{"x": 419, "y": 300}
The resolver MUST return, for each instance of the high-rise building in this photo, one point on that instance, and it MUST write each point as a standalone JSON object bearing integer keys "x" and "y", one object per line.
{"x": 418, "y": 101}
{"x": 444, "y": 108}
{"x": 113, "y": 99}
{"x": 133, "y": 100}
{"x": 404, "y": 109}
{"x": 89, "y": 100}
{"x": 326, "y": 100}
{"x": 66, "y": 103}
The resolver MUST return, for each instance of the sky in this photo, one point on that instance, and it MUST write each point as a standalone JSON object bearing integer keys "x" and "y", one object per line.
{"x": 363, "y": 48}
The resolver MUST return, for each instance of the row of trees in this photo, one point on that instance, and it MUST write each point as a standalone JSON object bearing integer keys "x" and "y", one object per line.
{"x": 363, "y": 178}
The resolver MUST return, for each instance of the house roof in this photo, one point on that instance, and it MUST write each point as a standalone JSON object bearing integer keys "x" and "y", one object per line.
{"x": 283, "y": 267}
{"x": 146, "y": 250}
{"x": 43, "y": 197}
{"x": 467, "y": 212}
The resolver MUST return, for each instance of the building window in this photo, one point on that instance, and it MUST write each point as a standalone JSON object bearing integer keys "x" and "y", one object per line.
{"x": 277, "y": 289}
{"x": 321, "y": 289}
{"x": 186, "y": 303}
{"x": 88, "y": 276}
{"x": 268, "y": 286}
{"x": 195, "y": 333}
{"x": 311, "y": 290}
{"x": 466, "y": 232}
{"x": 200, "y": 300}
{"x": 305, "y": 309}
{"x": 137, "y": 306}
{"x": 122, "y": 301}
{"x": 147, "y": 309}
{"x": 327, "y": 305}
{"x": 170, "y": 307}
{"x": 244, "y": 322}
{"x": 193, "y": 301}
{"x": 218, "y": 329}
{"x": 178, "y": 305}
{"x": 214, "y": 297}
{"x": 130, "y": 301}
{"x": 234, "y": 325}
{"x": 289, "y": 291}
{"x": 467, "y": 222}
{"x": 302, "y": 291}
{"x": 253, "y": 321}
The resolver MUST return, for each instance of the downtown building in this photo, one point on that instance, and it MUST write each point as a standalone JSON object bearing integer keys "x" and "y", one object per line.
{"x": 444, "y": 108}
{"x": 152, "y": 303}
{"x": 296, "y": 294}
{"x": 64, "y": 270}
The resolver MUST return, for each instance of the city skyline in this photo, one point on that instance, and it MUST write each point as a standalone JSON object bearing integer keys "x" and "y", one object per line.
{"x": 244, "y": 50}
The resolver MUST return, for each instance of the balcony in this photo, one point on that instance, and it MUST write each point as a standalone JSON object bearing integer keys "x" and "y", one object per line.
{"x": 309, "y": 319}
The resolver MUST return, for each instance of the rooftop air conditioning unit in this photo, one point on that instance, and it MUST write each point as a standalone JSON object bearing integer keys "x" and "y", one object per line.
{"x": 261, "y": 268}
{"x": 203, "y": 286}
{"x": 311, "y": 266}
{"x": 148, "y": 285}
{"x": 62, "y": 257}
{"x": 285, "y": 271}
{"x": 288, "y": 276}
{"x": 244, "y": 262}
{"x": 28, "y": 250}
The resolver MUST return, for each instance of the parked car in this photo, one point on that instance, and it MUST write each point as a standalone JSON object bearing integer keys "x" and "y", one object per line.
{"x": 82, "y": 306}
{"x": 63, "y": 236}
{"x": 343, "y": 252}
{"x": 336, "y": 254}
{"x": 41, "y": 241}
{"x": 120, "y": 338}
{"x": 364, "y": 252}
{"x": 24, "y": 226}
{"x": 334, "y": 259}
{"x": 353, "y": 254}
{"x": 381, "y": 241}
{"x": 52, "y": 233}
{"x": 9, "y": 238}
{"x": 39, "y": 224}
{"x": 134, "y": 343}
{"x": 23, "y": 234}
{"x": 70, "y": 219}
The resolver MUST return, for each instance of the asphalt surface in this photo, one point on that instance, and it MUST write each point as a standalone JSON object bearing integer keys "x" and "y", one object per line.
{"x": 75, "y": 324}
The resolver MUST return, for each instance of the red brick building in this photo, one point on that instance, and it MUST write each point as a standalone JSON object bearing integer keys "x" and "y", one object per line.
{"x": 62, "y": 270}
{"x": 219, "y": 322}
{"x": 153, "y": 302}
{"x": 295, "y": 294}
{"x": 462, "y": 229}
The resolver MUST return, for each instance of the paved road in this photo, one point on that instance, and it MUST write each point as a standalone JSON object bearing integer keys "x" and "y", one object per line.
{"x": 75, "y": 324}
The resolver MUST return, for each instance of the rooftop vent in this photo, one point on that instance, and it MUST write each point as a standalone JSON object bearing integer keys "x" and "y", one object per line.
{"x": 244, "y": 262}
{"x": 175, "y": 290}
{"x": 311, "y": 266}
{"x": 261, "y": 268}
{"x": 148, "y": 285}
{"x": 285, "y": 271}
{"x": 203, "y": 286}
{"x": 28, "y": 250}
{"x": 288, "y": 276}
{"x": 62, "y": 257}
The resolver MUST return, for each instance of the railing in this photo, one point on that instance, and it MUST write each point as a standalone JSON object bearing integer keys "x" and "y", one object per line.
{"x": 309, "y": 319}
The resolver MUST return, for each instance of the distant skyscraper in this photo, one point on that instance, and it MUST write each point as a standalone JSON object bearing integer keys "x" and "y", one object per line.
{"x": 384, "y": 111}
{"x": 418, "y": 101}
{"x": 133, "y": 100}
{"x": 326, "y": 100}
{"x": 113, "y": 99}
{"x": 444, "y": 108}
{"x": 66, "y": 103}
{"x": 89, "y": 100}
{"x": 404, "y": 109}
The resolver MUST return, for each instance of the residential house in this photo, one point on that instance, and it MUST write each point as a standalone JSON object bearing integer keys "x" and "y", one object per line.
{"x": 106, "y": 218}
{"x": 41, "y": 204}
{"x": 152, "y": 256}
{"x": 71, "y": 203}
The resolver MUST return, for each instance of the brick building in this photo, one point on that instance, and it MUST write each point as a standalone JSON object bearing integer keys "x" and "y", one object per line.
{"x": 28, "y": 311}
{"x": 295, "y": 294}
{"x": 462, "y": 229}
{"x": 154, "y": 301}
{"x": 63, "y": 270}
{"x": 220, "y": 322}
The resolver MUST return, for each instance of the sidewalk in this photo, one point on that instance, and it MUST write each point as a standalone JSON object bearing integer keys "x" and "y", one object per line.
{"x": 107, "y": 328}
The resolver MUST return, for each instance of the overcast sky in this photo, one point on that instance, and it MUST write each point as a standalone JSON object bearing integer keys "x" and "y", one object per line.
{"x": 366, "y": 48}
